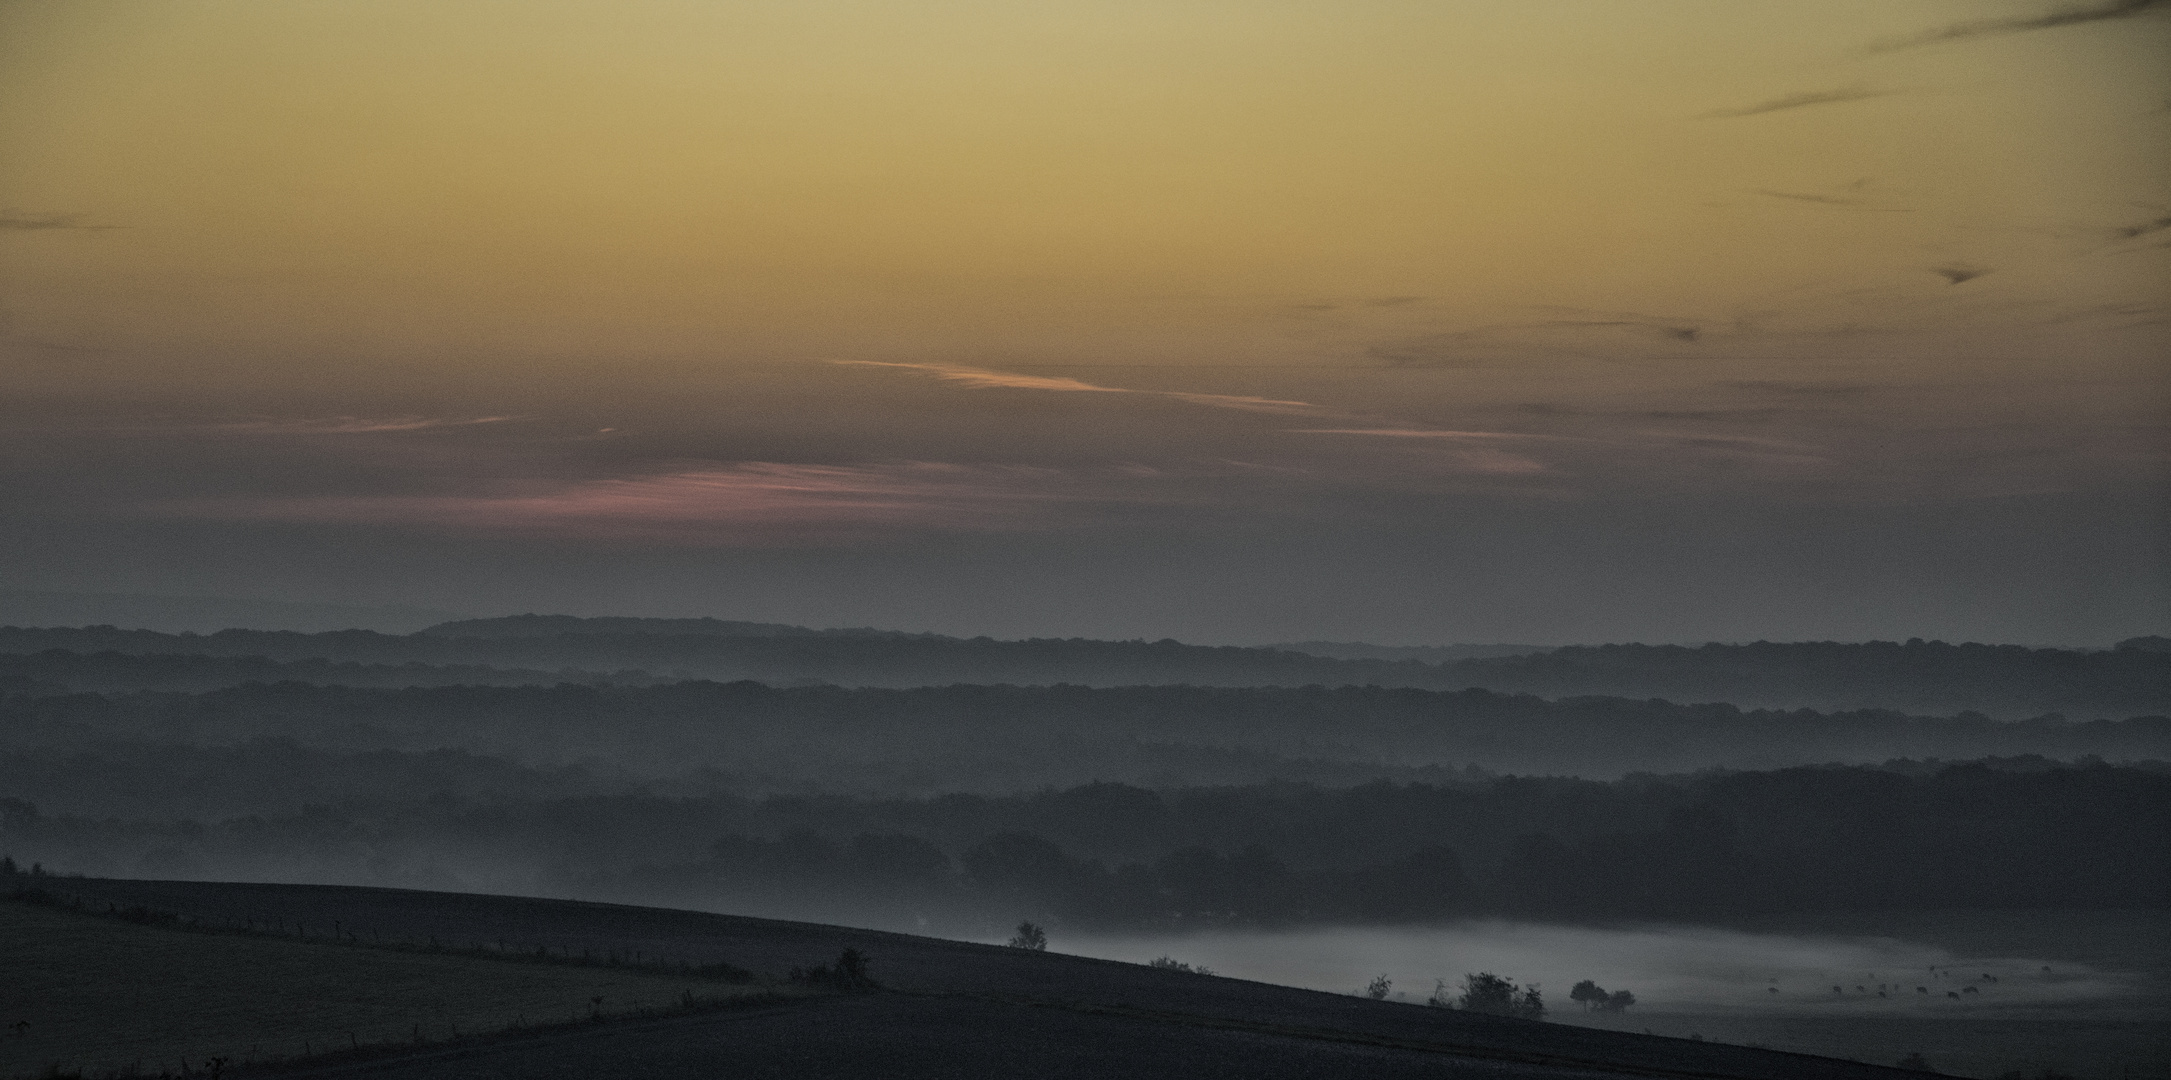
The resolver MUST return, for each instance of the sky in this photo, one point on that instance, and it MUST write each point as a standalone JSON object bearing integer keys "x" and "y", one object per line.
{"x": 1407, "y": 321}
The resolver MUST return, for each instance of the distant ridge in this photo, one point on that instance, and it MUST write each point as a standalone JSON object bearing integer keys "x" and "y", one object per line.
{"x": 1423, "y": 654}
{"x": 544, "y": 626}
{"x": 1920, "y": 677}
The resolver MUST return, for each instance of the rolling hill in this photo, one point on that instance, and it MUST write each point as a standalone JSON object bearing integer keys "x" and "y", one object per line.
{"x": 945, "y": 1008}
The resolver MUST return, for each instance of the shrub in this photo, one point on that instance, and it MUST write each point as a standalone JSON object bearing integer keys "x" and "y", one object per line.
{"x": 1166, "y": 963}
{"x": 1377, "y": 988}
{"x": 848, "y": 973}
{"x": 1030, "y": 938}
{"x": 1486, "y": 992}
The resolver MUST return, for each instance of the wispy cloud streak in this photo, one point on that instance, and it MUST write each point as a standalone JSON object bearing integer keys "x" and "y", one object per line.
{"x": 1830, "y": 200}
{"x": 18, "y": 221}
{"x": 1429, "y": 433}
{"x": 982, "y": 378}
{"x": 2134, "y": 232}
{"x": 1802, "y": 100}
{"x": 356, "y": 425}
{"x": 1976, "y": 28}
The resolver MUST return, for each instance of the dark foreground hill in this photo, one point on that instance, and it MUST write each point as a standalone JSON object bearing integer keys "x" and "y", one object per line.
{"x": 2007, "y": 682}
{"x": 948, "y": 1009}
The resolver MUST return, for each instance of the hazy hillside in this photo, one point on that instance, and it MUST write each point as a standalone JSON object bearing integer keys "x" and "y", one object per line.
{"x": 996, "y": 738}
{"x": 543, "y": 626}
{"x": 57, "y": 670}
{"x": 2006, "y": 681}
{"x": 1429, "y": 654}
{"x": 2000, "y": 681}
{"x": 1995, "y": 834}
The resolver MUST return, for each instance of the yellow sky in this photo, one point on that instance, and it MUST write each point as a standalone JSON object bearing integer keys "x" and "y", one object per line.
{"x": 1599, "y": 318}
{"x": 1163, "y": 180}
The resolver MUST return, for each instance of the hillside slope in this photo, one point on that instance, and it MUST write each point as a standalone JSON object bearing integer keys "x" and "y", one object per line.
{"x": 950, "y": 1009}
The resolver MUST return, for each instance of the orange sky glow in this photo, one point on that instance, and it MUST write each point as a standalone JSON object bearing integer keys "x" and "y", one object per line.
{"x": 1122, "y": 281}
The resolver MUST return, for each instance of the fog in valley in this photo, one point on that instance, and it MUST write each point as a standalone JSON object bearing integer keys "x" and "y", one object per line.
{"x": 1226, "y": 808}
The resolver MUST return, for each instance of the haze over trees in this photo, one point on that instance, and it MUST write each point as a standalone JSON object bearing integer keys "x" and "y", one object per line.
{"x": 534, "y": 755}
{"x": 2001, "y": 681}
{"x": 2013, "y": 834}
{"x": 747, "y": 736}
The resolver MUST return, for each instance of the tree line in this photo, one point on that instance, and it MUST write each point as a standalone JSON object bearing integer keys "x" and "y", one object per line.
{"x": 1983, "y": 835}
{"x": 2002, "y": 681}
{"x": 750, "y": 736}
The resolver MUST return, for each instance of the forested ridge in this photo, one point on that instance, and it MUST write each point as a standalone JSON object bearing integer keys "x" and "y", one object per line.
{"x": 996, "y": 738}
{"x": 1990, "y": 834}
{"x": 2001, "y": 681}
{"x": 1003, "y": 779}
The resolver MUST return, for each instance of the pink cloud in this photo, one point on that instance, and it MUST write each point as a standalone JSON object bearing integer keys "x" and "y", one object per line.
{"x": 1496, "y": 463}
{"x": 1427, "y": 433}
{"x": 751, "y": 502}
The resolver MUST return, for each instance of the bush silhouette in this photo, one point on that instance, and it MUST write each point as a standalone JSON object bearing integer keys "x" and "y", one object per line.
{"x": 1169, "y": 963}
{"x": 848, "y": 973}
{"x": 1486, "y": 992}
{"x": 1030, "y": 937}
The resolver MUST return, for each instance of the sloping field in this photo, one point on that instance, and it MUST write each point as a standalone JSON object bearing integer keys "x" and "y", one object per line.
{"x": 951, "y": 1008}
{"x": 92, "y": 993}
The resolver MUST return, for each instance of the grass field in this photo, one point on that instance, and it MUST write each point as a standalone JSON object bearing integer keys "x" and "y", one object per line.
{"x": 92, "y": 994}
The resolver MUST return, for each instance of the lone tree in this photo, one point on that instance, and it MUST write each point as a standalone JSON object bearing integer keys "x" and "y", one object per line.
{"x": 1030, "y": 937}
{"x": 1377, "y": 988}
